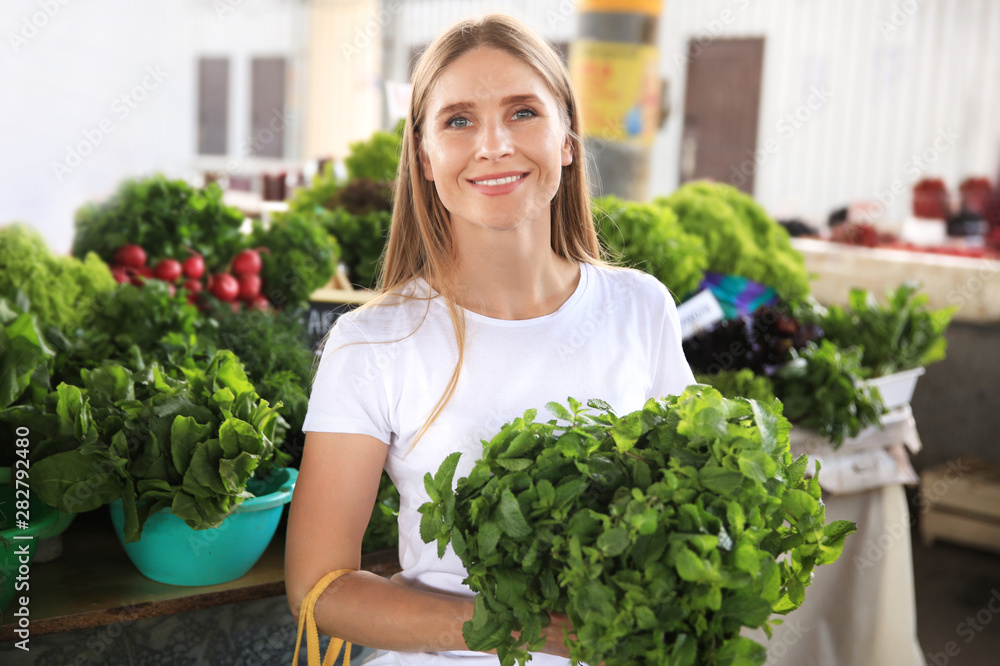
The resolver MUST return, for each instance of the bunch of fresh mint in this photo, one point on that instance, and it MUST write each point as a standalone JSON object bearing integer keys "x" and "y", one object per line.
{"x": 661, "y": 533}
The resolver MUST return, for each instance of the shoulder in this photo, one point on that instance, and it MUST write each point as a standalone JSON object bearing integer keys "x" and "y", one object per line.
{"x": 631, "y": 285}
{"x": 388, "y": 317}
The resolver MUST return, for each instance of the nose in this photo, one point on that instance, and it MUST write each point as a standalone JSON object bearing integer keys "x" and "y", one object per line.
{"x": 494, "y": 141}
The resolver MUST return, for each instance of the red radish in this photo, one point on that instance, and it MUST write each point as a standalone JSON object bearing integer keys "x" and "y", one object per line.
{"x": 168, "y": 270}
{"x": 194, "y": 267}
{"x": 138, "y": 279}
{"x": 192, "y": 297}
{"x": 235, "y": 305}
{"x": 260, "y": 303}
{"x": 121, "y": 274}
{"x": 130, "y": 255}
{"x": 249, "y": 287}
{"x": 193, "y": 286}
{"x": 224, "y": 287}
{"x": 172, "y": 289}
{"x": 247, "y": 262}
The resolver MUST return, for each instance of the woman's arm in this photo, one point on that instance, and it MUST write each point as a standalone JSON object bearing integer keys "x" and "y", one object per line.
{"x": 334, "y": 495}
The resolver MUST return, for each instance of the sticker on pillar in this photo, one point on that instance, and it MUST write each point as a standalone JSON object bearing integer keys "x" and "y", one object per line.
{"x": 618, "y": 87}
{"x": 651, "y": 7}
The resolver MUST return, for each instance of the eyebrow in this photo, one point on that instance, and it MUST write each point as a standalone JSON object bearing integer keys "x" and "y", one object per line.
{"x": 506, "y": 101}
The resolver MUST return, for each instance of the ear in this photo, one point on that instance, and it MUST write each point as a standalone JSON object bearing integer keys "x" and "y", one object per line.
{"x": 567, "y": 150}
{"x": 425, "y": 162}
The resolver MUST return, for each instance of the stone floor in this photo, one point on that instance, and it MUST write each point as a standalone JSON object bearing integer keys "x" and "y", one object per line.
{"x": 957, "y": 590}
{"x": 958, "y": 604}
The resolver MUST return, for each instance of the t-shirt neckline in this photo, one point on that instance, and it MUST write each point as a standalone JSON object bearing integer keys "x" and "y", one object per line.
{"x": 567, "y": 305}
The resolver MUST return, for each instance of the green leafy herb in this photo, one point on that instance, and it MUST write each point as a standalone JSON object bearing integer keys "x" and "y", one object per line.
{"x": 166, "y": 218}
{"x": 739, "y": 236}
{"x": 61, "y": 291}
{"x": 275, "y": 352}
{"x": 824, "y": 388}
{"x": 661, "y": 533}
{"x": 185, "y": 438}
{"x": 740, "y": 384}
{"x": 900, "y": 335}
{"x": 362, "y": 237}
{"x": 302, "y": 256}
{"x": 378, "y": 157}
{"x": 383, "y": 528}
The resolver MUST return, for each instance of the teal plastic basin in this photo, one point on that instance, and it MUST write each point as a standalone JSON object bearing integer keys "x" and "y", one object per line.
{"x": 171, "y": 552}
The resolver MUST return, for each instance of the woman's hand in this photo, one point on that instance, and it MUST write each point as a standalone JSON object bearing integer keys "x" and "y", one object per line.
{"x": 553, "y": 634}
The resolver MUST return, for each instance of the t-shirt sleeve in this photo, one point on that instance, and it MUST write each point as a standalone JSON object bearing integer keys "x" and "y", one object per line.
{"x": 672, "y": 374}
{"x": 348, "y": 393}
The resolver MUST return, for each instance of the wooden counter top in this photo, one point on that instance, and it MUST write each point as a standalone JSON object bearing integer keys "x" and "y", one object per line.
{"x": 971, "y": 284}
{"x": 93, "y": 583}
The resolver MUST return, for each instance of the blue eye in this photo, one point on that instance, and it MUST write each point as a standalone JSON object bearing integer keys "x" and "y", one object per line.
{"x": 517, "y": 115}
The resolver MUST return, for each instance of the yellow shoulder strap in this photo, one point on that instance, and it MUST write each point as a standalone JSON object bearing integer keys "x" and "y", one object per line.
{"x": 307, "y": 621}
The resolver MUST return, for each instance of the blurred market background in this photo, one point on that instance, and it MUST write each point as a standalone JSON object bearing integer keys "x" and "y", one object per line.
{"x": 869, "y": 130}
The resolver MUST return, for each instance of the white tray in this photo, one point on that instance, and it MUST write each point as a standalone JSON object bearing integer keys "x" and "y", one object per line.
{"x": 897, "y": 389}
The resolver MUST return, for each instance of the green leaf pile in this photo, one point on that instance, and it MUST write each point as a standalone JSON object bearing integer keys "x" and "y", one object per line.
{"x": 661, "y": 533}
{"x": 824, "y": 389}
{"x": 649, "y": 238}
{"x": 301, "y": 257}
{"x": 742, "y": 383}
{"x": 187, "y": 443}
{"x": 165, "y": 217}
{"x": 740, "y": 237}
{"x": 62, "y": 291}
{"x": 900, "y": 335}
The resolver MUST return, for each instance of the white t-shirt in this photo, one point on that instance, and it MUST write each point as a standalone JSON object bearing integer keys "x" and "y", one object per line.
{"x": 616, "y": 338}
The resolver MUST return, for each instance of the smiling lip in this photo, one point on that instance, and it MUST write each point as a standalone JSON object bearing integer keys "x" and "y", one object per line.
{"x": 505, "y": 188}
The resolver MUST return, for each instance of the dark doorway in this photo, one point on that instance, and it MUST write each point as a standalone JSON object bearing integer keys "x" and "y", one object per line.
{"x": 721, "y": 109}
{"x": 213, "y": 105}
{"x": 267, "y": 111}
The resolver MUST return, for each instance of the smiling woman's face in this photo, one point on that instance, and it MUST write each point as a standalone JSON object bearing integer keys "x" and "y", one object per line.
{"x": 493, "y": 142}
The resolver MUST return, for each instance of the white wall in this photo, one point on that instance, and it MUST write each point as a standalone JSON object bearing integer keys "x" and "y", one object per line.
{"x": 891, "y": 91}
{"x": 67, "y": 77}
{"x": 418, "y": 21}
{"x": 896, "y": 80}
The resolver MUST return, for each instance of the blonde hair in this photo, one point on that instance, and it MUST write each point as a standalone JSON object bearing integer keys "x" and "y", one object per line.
{"x": 420, "y": 237}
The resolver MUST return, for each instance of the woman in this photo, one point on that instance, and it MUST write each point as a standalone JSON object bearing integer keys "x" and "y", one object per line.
{"x": 494, "y": 300}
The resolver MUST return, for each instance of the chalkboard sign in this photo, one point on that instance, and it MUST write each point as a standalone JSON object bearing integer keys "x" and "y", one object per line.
{"x": 328, "y": 304}
{"x": 320, "y": 316}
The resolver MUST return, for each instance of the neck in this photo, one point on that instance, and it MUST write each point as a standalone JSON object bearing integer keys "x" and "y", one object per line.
{"x": 512, "y": 274}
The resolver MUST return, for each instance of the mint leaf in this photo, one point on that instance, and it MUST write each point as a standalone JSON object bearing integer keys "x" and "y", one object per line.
{"x": 511, "y": 519}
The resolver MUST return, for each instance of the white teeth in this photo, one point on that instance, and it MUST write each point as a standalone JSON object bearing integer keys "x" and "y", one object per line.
{"x": 500, "y": 181}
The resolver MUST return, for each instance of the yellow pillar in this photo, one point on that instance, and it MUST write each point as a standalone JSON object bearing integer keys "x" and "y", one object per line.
{"x": 614, "y": 65}
{"x": 343, "y": 100}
